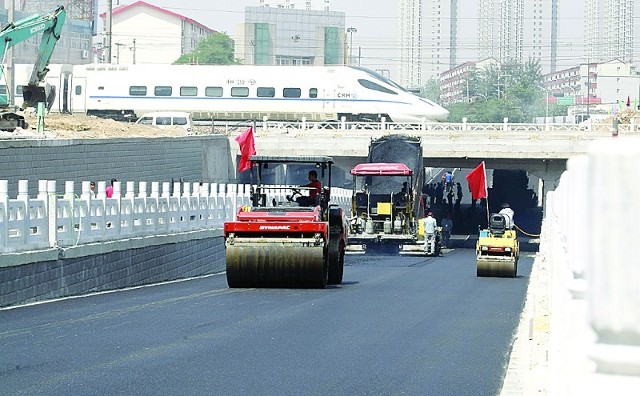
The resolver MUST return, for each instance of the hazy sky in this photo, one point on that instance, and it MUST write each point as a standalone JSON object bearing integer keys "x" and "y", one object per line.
{"x": 377, "y": 23}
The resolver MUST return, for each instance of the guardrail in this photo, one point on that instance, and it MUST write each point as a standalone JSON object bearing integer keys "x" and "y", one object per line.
{"x": 61, "y": 220}
{"x": 608, "y": 129}
{"x": 589, "y": 241}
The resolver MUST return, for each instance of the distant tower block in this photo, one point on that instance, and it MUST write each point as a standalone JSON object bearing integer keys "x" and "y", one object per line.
{"x": 76, "y": 9}
{"x": 326, "y": 5}
{"x": 410, "y": 43}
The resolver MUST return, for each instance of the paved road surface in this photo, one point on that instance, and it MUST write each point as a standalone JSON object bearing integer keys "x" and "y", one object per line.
{"x": 405, "y": 325}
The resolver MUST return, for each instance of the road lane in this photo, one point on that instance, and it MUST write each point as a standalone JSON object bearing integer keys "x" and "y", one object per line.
{"x": 397, "y": 325}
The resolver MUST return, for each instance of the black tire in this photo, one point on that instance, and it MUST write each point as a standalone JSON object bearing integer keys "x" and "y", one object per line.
{"x": 336, "y": 261}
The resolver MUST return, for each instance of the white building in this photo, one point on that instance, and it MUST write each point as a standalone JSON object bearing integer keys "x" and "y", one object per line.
{"x": 609, "y": 29}
{"x": 145, "y": 33}
{"x": 516, "y": 30}
{"x": 285, "y": 35}
{"x": 440, "y": 31}
{"x": 410, "y": 28}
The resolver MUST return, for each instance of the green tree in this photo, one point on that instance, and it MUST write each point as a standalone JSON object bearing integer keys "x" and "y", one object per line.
{"x": 217, "y": 49}
{"x": 431, "y": 90}
{"x": 513, "y": 90}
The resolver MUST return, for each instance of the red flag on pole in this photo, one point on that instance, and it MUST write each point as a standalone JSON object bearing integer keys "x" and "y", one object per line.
{"x": 247, "y": 148}
{"x": 477, "y": 180}
{"x": 628, "y": 101}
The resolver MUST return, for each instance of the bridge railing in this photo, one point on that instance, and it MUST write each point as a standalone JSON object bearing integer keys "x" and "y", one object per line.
{"x": 53, "y": 219}
{"x": 275, "y": 127}
{"x": 589, "y": 242}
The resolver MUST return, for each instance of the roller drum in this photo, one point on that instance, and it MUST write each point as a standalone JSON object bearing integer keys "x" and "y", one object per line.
{"x": 276, "y": 265}
{"x": 497, "y": 268}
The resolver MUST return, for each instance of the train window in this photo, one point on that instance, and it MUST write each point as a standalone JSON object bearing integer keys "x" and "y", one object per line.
{"x": 241, "y": 92}
{"x": 313, "y": 92}
{"x": 162, "y": 91}
{"x": 188, "y": 91}
{"x": 376, "y": 87}
{"x": 138, "y": 90}
{"x": 266, "y": 92}
{"x": 291, "y": 92}
{"x": 78, "y": 90}
{"x": 214, "y": 92}
{"x": 18, "y": 89}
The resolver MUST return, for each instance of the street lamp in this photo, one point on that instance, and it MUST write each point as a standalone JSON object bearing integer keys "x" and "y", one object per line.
{"x": 351, "y": 31}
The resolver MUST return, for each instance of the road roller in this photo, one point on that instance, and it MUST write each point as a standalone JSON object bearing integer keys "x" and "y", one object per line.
{"x": 497, "y": 249}
{"x": 287, "y": 243}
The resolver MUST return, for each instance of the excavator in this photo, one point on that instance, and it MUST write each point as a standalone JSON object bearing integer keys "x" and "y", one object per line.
{"x": 33, "y": 93}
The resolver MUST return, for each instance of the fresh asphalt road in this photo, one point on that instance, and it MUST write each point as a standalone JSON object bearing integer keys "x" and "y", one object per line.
{"x": 403, "y": 325}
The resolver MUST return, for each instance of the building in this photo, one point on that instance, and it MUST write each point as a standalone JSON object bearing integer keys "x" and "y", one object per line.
{"x": 145, "y": 33}
{"x": 454, "y": 83}
{"x": 441, "y": 32}
{"x": 609, "y": 29}
{"x": 74, "y": 45}
{"x": 285, "y": 35}
{"x": 410, "y": 28}
{"x": 522, "y": 30}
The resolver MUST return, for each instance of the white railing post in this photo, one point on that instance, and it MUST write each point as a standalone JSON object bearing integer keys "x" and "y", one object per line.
{"x": 505, "y": 124}
{"x": 264, "y": 124}
{"x": 52, "y": 212}
{"x": 423, "y": 124}
{"x": 383, "y": 123}
{"x": 343, "y": 123}
{"x": 613, "y": 277}
{"x": 304, "y": 123}
{"x": 4, "y": 218}
{"x": 464, "y": 124}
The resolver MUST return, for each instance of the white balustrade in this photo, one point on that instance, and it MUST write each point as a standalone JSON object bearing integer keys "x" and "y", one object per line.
{"x": 51, "y": 219}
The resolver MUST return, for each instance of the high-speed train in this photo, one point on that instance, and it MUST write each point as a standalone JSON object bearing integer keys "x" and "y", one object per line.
{"x": 235, "y": 92}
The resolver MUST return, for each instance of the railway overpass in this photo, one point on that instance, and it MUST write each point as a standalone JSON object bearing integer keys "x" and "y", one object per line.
{"x": 540, "y": 149}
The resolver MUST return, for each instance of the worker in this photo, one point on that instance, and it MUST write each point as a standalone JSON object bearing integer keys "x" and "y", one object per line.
{"x": 508, "y": 214}
{"x": 430, "y": 225}
{"x": 314, "y": 186}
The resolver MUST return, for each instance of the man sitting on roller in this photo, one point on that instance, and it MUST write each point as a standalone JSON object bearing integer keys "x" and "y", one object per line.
{"x": 314, "y": 186}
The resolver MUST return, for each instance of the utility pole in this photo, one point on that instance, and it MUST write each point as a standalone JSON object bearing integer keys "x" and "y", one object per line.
{"x": 134, "y": 51}
{"x": 9, "y": 72}
{"x": 108, "y": 30}
{"x": 588, "y": 86}
{"x": 351, "y": 31}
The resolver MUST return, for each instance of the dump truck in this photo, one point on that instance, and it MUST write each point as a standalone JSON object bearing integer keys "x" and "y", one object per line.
{"x": 279, "y": 243}
{"x": 497, "y": 249}
{"x": 382, "y": 220}
{"x": 33, "y": 93}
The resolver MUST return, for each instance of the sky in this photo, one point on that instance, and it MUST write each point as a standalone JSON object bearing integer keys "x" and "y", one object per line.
{"x": 375, "y": 43}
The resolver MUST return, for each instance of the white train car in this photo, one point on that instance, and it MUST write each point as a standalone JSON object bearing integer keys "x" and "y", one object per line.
{"x": 240, "y": 92}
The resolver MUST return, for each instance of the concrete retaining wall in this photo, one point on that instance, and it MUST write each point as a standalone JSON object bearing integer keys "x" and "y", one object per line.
{"x": 54, "y": 273}
{"x": 190, "y": 158}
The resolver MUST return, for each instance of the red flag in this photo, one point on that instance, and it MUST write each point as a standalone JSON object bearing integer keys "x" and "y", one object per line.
{"x": 247, "y": 148}
{"x": 628, "y": 101}
{"x": 477, "y": 180}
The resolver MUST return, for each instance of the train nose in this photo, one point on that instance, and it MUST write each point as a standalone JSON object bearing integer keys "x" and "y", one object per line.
{"x": 441, "y": 114}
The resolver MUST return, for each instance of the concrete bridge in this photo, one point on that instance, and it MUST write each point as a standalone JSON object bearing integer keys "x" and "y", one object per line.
{"x": 540, "y": 149}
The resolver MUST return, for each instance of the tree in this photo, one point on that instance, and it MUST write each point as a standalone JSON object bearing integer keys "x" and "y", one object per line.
{"x": 431, "y": 90}
{"x": 217, "y": 49}
{"x": 512, "y": 90}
